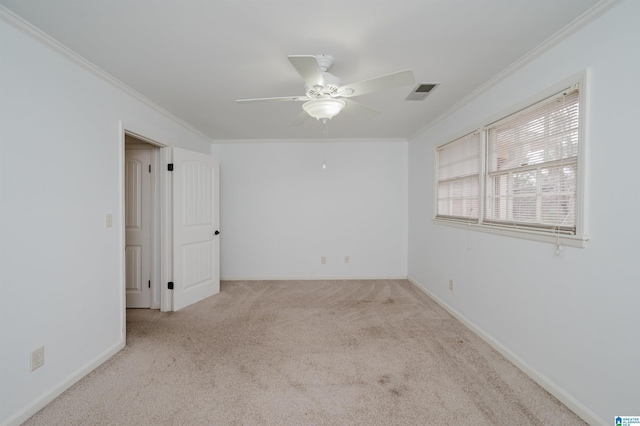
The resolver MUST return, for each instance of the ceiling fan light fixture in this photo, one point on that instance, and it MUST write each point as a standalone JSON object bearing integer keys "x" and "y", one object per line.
{"x": 324, "y": 109}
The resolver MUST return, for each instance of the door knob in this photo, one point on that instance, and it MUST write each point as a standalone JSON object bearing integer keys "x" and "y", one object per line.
{"x": 216, "y": 233}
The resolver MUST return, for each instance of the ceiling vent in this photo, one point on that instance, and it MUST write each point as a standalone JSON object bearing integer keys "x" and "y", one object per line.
{"x": 421, "y": 91}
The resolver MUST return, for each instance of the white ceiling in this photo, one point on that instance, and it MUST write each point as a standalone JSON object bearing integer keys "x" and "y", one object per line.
{"x": 196, "y": 57}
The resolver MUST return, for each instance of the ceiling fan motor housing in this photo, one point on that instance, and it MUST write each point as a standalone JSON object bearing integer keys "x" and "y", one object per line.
{"x": 332, "y": 85}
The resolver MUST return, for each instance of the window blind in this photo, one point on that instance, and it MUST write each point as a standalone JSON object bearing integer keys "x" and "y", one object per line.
{"x": 532, "y": 160}
{"x": 459, "y": 178}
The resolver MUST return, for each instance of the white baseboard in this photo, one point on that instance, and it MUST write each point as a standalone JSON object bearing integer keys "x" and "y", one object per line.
{"x": 313, "y": 278}
{"x": 24, "y": 414}
{"x": 573, "y": 404}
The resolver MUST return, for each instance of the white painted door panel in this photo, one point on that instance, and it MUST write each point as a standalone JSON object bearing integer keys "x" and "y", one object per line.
{"x": 138, "y": 227}
{"x": 196, "y": 246}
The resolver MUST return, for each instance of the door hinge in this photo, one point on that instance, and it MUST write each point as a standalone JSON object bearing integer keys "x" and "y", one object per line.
{"x": 149, "y": 283}
{"x": 170, "y": 285}
{"x": 149, "y": 168}
{"x": 170, "y": 167}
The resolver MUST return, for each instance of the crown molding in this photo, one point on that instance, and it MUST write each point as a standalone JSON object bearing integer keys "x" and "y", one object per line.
{"x": 308, "y": 140}
{"x": 17, "y": 22}
{"x": 573, "y": 27}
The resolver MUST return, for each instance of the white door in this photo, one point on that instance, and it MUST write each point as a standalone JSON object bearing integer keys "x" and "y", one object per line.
{"x": 138, "y": 222}
{"x": 196, "y": 245}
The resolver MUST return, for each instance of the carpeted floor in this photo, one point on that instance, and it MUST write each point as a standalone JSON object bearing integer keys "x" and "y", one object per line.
{"x": 305, "y": 353}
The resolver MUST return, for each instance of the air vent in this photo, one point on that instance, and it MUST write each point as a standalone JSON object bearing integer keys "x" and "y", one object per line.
{"x": 421, "y": 91}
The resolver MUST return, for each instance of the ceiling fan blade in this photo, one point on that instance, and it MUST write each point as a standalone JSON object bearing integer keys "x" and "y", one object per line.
{"x": 300, "y": 119}
{"x": 389, "y": 81}
{"x": 308, "y": 68}
{"x": 281, "y": 98}
{"x": 356, "y": 108}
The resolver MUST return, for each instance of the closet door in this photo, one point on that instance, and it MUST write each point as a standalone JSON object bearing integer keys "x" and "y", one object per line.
{"x": 138, "y": 223}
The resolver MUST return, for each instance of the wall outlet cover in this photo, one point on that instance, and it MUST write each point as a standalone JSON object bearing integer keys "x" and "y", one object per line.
{"x": 37, "y": 358}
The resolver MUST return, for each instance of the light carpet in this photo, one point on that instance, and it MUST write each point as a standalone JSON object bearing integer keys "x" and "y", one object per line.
{"x": 376, "y": 352}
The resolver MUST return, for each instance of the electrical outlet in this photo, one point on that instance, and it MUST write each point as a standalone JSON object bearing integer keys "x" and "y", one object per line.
{"x": 451, "y": 285}
{"x": 37, "y": 358}
{"x": 346, "y": 259}
{"x": 323, "y": 260}
{"x": 109, "y": 220}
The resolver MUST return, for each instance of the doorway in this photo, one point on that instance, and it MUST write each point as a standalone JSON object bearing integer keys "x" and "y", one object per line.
{"x": 171, "y": 219}
{"x": 141, "y": 217}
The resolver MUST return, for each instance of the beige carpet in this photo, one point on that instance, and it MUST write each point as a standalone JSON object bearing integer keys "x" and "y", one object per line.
{"x": 305, "y": 353}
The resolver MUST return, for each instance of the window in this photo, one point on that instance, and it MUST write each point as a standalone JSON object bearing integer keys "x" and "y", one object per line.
{"x": 459, "y": 178}
{"x": 527, "y": 181}
{"x": 531, "y": 167}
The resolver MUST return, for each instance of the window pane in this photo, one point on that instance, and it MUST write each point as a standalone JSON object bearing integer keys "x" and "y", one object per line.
{"x": 558, "y": 188}
{"x": 459, "y": 178}
{"x": 524, "y": 196}
{"x": 459, "y": 198}
{"x": 544, "y": 132}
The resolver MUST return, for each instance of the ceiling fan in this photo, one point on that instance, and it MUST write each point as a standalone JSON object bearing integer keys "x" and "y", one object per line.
{"x": 324, "y": 96}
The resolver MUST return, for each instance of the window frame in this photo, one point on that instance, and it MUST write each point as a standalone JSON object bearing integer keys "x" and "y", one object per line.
{"x": 513, "y": 230}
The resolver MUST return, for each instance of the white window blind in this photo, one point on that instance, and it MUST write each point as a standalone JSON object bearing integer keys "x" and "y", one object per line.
{"x": 531, "y": 166}
{"x": 459, "y": 178}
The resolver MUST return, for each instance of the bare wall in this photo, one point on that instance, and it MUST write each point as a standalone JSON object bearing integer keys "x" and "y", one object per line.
{"x": 281, "y": 211}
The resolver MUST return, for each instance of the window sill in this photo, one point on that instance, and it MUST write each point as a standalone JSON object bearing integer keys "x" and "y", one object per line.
{"x": 526, "y": 234}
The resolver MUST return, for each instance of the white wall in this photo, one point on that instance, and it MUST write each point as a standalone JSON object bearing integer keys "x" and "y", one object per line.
{"x": 280, "y": 211}
{"x": 60, "y": 173}
{"x": 571, "y": 319}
